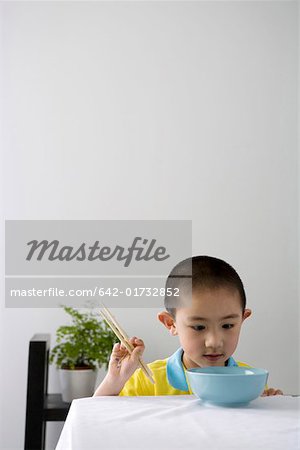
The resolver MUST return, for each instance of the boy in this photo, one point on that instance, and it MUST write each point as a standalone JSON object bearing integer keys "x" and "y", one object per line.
{"x": 208, "y": 328}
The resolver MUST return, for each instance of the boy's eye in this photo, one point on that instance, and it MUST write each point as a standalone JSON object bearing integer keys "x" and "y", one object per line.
{"x": 227, "y": 326}
{"x": 198, "y": 327}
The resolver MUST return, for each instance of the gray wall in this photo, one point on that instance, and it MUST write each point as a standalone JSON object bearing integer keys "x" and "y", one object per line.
{"x": 160, "y": 110}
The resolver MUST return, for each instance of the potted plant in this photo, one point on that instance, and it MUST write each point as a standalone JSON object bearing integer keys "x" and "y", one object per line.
{"x": 81, "y": 348}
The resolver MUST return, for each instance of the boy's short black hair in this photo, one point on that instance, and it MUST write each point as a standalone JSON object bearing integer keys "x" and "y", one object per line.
{"x": 202, "y": 272}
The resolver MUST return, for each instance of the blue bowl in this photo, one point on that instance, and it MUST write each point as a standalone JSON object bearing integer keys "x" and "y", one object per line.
{"x": 227, "y": 385}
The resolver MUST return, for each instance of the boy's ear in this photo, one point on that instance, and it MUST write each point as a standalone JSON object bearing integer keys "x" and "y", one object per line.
{"x": 168, "y": 321}
{"x": 247, "y": 313}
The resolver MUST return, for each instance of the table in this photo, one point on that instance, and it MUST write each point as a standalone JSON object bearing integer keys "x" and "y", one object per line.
{"x": 181, "y": 422}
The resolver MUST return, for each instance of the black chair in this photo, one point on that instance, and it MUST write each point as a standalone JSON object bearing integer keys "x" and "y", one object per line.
{"x": 41, "y": 407}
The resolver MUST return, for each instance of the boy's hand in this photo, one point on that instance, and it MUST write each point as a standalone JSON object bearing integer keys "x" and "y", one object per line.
{"x": 271, "y": 391}
{"x": 122, "y": 364}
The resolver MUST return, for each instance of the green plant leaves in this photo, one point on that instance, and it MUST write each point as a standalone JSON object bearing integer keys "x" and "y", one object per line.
{"x": 86, "y": 343}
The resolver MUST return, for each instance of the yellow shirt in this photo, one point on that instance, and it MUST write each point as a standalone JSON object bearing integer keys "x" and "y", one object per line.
{"x": 169, "y": 376}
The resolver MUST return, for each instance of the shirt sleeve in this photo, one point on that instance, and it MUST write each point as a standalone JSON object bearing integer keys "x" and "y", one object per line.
{"x": 137, "y": 385}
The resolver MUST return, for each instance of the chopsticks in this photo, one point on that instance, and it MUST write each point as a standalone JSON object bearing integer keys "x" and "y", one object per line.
{"x": 124, "y": 338}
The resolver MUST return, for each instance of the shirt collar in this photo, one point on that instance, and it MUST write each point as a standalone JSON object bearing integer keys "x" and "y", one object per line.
{"x": 175, "y": 370}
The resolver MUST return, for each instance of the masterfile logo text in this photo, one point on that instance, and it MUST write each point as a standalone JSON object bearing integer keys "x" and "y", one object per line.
{"x": 125, "y": 262}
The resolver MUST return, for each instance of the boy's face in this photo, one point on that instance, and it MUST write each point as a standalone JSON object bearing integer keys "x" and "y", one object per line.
{"x": 209, "y": 329}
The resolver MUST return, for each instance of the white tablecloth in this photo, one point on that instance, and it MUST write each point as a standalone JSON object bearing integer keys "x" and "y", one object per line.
{"x": 168, "y": 422}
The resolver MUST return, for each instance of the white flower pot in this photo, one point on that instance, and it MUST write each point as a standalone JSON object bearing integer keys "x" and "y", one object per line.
{"x": 77, "y": 383}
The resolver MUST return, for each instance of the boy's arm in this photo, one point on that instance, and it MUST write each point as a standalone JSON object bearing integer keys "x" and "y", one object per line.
{"x": 122, "y": 366}
{"x": 109, "y": 386}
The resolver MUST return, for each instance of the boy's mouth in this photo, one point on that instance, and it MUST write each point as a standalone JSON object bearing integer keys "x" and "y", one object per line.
{"x": 213, "y": 356}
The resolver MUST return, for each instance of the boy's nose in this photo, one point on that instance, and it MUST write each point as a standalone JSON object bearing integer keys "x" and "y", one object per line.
{"x": 213, "y": 341}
